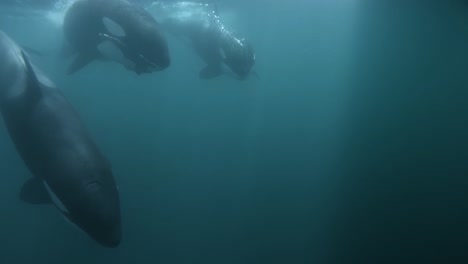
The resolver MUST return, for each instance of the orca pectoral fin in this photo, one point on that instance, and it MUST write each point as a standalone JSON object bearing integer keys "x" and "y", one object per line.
{"x": 34, "y": 192}
{"x": 80, "y": 62}
{"x": 211, "y": 71}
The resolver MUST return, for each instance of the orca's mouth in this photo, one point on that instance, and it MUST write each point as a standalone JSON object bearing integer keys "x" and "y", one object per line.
{"x": 138, "y": 58}
{"x": 153, "y": 65}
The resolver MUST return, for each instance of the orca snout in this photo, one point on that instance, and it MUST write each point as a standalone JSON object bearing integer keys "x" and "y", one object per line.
{"x": 101, "y": 219}
{"x": 105, "y": 229}
{"x": 109, "y": 236}
{"x": 155, "y": 64}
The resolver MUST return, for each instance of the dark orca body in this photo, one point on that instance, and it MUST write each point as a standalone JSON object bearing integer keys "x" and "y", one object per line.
{"x": 68, "y": 168}
{"x": 201, "y": 26}
{"x": 137, "y": 35}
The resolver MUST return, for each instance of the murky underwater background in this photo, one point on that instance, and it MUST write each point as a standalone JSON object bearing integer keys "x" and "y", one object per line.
{"x": 351, "y": 147}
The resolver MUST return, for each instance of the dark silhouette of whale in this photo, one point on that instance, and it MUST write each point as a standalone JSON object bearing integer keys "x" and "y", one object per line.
{"x": 114, "y": 30}
{"x": 67, "y": 166}
{"x": 212, "y": 41}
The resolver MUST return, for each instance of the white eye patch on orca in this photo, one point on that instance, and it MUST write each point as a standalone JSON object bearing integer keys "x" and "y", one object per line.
{"x": 113, "y": 27}
{"x": 55, "y": 199}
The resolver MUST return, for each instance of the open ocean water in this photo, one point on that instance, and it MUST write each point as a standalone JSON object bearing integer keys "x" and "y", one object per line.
{"x": 350, "y": 147}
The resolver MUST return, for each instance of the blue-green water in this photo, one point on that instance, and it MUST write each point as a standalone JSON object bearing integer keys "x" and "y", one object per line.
{"x": 351, "y": 147}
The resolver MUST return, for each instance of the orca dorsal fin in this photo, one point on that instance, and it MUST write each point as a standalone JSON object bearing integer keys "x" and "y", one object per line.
{"x": 29, "y": 69}
{"x": 33, "y": 83}
{"x": 32, "y": 51}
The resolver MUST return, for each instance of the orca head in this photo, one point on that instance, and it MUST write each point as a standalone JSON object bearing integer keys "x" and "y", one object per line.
{"x": 240, "y": 57}
{"x": 151, "y": 48}
{"x": 100, "y": 217}
{"x": 92, "y": 204}
{"x": 141, "y": 43}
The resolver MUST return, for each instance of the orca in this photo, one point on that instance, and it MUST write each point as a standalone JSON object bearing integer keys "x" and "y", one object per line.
{"x": 200, "y": 24}
{"x": 67, "y": 166}
{"x": 114, "y": 30}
